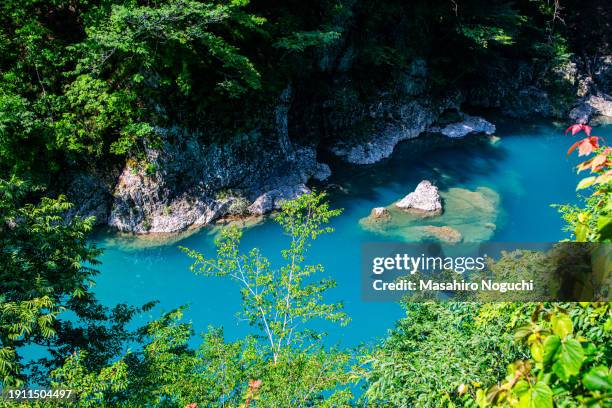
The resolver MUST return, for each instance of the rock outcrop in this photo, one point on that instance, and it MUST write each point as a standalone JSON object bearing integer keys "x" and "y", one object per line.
{"x": 468, "y": 124}
{"x": 195, "y": 184}
{"x": 322, "y": 173}
{"x": 91, "y": 195}
{"x": 592, "y": 106}
{"x": 424, "y": 200}
{"x": 272, "y": 200}
{"x": 410, "y": 120}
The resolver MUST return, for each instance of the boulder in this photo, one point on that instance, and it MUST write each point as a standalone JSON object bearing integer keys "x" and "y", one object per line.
{"x": 322, "y": 172}
{"x": 469, "y": 124}
{"x": 273, "y": 199}
{"x": 424, "y": 200}
{"x": 594, "y": 105}
{"x": 380, "y": 214}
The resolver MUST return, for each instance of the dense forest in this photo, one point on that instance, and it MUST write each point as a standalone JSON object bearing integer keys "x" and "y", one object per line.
{"x": 159, "y": 115}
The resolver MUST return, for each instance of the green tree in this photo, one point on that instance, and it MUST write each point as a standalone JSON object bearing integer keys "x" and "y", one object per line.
{"x": 46, "y": 267}
{"x": 437, "y": 353}
{"x": 279, "y": 301}
{"x": 283, "y": 370}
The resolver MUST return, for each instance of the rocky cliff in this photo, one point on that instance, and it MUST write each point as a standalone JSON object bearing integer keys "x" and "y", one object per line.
{"x": 186, "y": 183}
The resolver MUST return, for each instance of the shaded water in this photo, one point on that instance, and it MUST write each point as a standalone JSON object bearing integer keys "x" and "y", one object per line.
{"x": 527, "y": 169}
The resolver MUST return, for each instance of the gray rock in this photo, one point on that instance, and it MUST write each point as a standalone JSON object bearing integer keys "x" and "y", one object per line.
{"x": 411, "y": 119}
{"x": 424, "y": 200}
{"x": 602, "y": 74}
{"x": 601, "y": 104}
{"x": 594, "y": 105}
{"x": 581, "y": 113}
{"x": 273, "y": 199}
{"x": 196, "y": 184}
{"x": 413, "y": 81}
{"x": 469, "y": 124}
{"x": 91, "y": 196}
{"x": 322, "y": 172}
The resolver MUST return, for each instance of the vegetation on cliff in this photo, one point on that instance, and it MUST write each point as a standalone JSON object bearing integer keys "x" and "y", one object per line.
{"x": 93, "y": 83}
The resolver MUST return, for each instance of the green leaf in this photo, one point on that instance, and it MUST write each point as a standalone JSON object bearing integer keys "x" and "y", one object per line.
{"x": 537, "y": 351}
{"x": 523, "y": 332}
{"x": 569, "y": 359}
{"x": 581, "y": 232}
{"x": 551, "y": 345}
{"x": 598, "y": 379}
{"x": 604, "y": 226}
{"x": 561, "y": 324}
{"x": 539, "y": 396}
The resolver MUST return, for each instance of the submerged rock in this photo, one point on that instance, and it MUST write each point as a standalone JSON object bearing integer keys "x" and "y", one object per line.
{"x": 469, "y": 216}
{"x": 494, "y": 140}
{"x": 444, "y": 233}
{"x": 424, "y": 200}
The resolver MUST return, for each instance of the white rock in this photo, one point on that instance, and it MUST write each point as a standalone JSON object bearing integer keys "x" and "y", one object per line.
{"x": 594, "y": 105}
{"x": 425, "y": 199}
{"x": 601, "y": 104}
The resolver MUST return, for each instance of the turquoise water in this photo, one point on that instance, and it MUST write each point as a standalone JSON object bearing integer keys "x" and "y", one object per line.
{"x": 527, "y": 168}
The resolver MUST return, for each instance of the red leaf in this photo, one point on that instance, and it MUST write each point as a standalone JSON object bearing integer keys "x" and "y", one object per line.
{"x": 585, "y": 146}
{"x": 572, "y": 147}
{"x": 578, "y": 127}
{"x": 574, "y": 128}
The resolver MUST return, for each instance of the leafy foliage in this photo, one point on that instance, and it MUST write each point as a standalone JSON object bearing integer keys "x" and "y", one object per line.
{"x": 569, "y": 364}
{"x": 279, "y": 301}
{"x": 46, "y": 269}
{"x": 167, "y": 372}
{"x": 439, "y": 351}
{"x": 594, "y": 222}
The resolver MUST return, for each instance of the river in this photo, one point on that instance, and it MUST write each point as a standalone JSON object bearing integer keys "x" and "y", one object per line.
{"x": 527, "y": 169}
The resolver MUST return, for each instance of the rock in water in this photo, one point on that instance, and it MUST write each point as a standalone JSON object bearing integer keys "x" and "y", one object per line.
{"x": 469, "y": 124}
{"x": 444, "y": 234}
{"x": 424, "y": 200}
{"x": 380, "y": 214}
{"x": 273, "y": 199}
{"x": 469, "y": 216}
